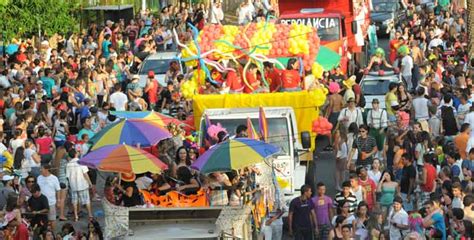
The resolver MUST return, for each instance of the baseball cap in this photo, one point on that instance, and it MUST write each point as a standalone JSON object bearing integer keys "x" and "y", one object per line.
{"x": 39, "y": 82}
{"x": 109, "y": 22}
{"x": 151, "y": 74}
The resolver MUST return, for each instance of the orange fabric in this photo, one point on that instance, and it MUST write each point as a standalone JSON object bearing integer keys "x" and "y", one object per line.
{"x": 176, "y": 199}
{"x": 460, "y": 141}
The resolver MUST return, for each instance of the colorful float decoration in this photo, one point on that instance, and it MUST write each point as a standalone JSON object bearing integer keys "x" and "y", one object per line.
{"x": 322, "y": 126}
{"x": 255, "y": 43}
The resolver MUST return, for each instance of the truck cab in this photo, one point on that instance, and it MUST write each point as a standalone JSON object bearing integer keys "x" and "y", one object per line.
{"x": 282, "y": 132}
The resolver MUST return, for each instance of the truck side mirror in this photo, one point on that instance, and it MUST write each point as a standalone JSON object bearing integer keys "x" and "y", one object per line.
{"x": 305, "y": 140}
{"x": 354, "y": 27}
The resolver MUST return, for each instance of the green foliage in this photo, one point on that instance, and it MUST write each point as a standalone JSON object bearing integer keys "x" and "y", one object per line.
{"x": 27, "y": 17}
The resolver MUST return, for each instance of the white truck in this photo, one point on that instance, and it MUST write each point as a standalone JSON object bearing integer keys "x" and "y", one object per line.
{"x": 282, "y": 132}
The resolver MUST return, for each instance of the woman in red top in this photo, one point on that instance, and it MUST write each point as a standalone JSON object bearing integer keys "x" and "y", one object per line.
{"x": 290, "y": 78}
{"x": 253, "y": 84}
{"x": 45, "y": 146}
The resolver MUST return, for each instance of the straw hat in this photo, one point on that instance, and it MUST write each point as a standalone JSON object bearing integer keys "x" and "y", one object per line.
{"x": 128, "y": 177}
{"x": 350, "y": 81}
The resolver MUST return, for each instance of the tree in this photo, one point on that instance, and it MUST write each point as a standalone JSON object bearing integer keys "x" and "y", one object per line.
{"x": 33, "y": 17}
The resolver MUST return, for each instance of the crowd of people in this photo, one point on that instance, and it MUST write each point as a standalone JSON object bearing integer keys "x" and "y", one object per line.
{"x": 57, "y": 92}
{"x": 403, "y": 170}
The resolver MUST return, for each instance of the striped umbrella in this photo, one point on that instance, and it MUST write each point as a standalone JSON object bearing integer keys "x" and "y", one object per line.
{"x": 131, "y": 132}
{"x": 233, "y": 154}
{"x": 123, "y": 158}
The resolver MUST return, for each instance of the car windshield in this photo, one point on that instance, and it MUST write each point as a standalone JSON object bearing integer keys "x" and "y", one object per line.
{"x": 278, "y": 133}
{"x": 384, "y": 6}
{"x": 375, "y": 87}
{"x": 159, "y": 66}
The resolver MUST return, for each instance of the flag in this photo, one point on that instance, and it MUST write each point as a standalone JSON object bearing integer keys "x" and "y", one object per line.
{"x": 207, "y": 124}
{"x": 262, "y": 124}
{"x": 251, "y": 132}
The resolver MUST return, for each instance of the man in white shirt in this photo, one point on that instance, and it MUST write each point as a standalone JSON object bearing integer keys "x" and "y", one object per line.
{"x": 397, "y": 220}
{"x": 407, "y": 67}
{"x": 118, "y": 99}
{"x": 79, "y": 183}
{"x": 217, "y": 15}
{"x": 469, "y": 118}
{"x": 350, "y": 114}
{"x": 50, "y": 188}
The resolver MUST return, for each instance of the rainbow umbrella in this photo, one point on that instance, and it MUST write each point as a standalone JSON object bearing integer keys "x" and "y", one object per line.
{"x": 123, "y": 158}
{"x": 234, "y": 154}
{"x": 131, "y": 132}
{"x": 161, "y": 119}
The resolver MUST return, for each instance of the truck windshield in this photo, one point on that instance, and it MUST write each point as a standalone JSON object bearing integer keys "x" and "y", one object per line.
{"x": 158, "y": 66}
{"x": 384, "y": 6}
{"x": 278, "y": 133}
{"x": 328, "y": 27}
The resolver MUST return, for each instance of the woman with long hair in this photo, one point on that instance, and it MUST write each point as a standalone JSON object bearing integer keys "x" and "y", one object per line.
{"x": 94, "y": 232}
{"x": 336, "y": 233}
{"x": 182, "y": 157}
{"x": 375, "y": 226}
{"x": 59, "y": 162}
{"x": 341, "y": 150}
{"x": 388, "y": 189}
{"x": 404, "y": 99}
{"x": 32, "y": 158}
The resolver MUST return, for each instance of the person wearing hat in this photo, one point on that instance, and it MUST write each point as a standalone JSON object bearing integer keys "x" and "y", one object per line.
{"x": 130, "y": 194}
{"x": 407, "y": 67}
{"x": 377, "y": 121}
{"x": 133, "y": 88}
{"x": 351, "y": 114}
{"x": 151, "y": 89}
{"x": 15, "y": 228}
{"x": 336, "y": 103}
{"x": 38, "y": 91}
{"x": 377, "y": 61}
{"x": 348, "y": 84}
{"x": 397, "y": 219}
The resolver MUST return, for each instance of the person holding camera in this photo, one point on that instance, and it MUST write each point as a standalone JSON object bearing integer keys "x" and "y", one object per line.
{"x": 397, "y": 219}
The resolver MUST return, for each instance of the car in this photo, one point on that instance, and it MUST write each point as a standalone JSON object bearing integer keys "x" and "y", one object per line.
{"x": 375, "y": 85}
{"x": 386, "y": 12}
{"x": 159, "y": 63}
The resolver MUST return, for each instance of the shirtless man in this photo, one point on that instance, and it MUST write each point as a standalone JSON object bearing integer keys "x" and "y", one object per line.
{"x": 336, "y": 103}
